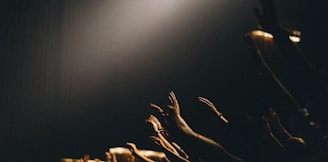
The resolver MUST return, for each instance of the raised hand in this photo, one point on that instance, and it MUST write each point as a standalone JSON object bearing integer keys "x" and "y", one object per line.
{"x": 157, "y": 126}
{"x": 154, "y": 124}
{"x": 174, "y": 156}
{"x": 159, "y": 109}
{"x": 274, "y": 119}
{"x": 268, "y": 127}
{"x": 177, "y": 118}
{"x": 183, "y": 126}
{"x": 212, "y": 106}
{"x": 174, "y": 104}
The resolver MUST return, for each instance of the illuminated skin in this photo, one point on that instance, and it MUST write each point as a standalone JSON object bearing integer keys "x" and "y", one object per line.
{"x": 273, "y": 118}
{"x": 161, "y": 140}
{"x": 156, "y": 127}
{"x": 162, "y": 133}
{"x": 184, "y": 154}
{"x": 133, "y": 148}
{"x": 109, "y": 157}
{"x": 172, "y": 155}
{"x": 185, "y": 128}
{"x": 212, "y": 106}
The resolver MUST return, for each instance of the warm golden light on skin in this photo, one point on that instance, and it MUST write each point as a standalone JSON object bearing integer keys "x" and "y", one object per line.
{"x": 78, "y": 160}
{"x": 262, "y": 34}
{"x": 296, "y": 33}
{"x": 294, "y": 38}
{"x": 125, "y": 153}
{"x": 119, "y": 150}
{"x": 149, "y": 153}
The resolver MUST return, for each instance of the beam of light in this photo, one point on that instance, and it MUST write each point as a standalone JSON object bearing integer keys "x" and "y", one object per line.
{"x": 268, "y": 36}
{"x": 101, "y": 41}
{"x": 106, "y": 40}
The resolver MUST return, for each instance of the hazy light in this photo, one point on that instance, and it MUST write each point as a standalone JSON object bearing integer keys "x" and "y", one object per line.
{"x": 106, "y": 41}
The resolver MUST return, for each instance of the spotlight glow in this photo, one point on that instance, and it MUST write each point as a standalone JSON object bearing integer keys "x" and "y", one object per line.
{"x": 106, "y": 41}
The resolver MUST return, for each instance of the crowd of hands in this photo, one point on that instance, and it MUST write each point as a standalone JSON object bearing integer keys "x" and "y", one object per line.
{"x": 179, "y": 142}
{"x": 275, "y": 143}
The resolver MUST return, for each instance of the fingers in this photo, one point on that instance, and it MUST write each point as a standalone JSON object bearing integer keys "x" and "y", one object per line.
{"x": 156, "y": 140}
{"x": 132, "y": 145}
{"x": 159, "y": 109}
{"x": 174, "y": 103}
{"x": 185, "y": 155}
{"x": 171, "y": 107}
{"x": 212, "y": 106}
{"x": 154, "y": 118}
{"x": 205, "y": 100}
{"x": 153, "y": 124}
{"x": 158, "y": 123}
{"x": 208, "y": 103}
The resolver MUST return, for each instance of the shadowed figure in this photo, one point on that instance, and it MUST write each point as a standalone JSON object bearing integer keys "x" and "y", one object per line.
{"x": 299, "y": 94}
{"x": 302, "y": 78}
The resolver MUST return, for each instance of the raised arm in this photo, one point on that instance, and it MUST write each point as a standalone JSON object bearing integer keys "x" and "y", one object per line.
{"x": 184, "y": 127}
{"x": 172, "y": 156}
{"x": 135, "y": 151}
{"x": 157, "y": 127}
{"x": 212, "y": 106}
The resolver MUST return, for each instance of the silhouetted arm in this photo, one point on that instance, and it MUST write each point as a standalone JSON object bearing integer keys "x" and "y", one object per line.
{"x": 184, "y": 127}
{"x": 135, "y": 151}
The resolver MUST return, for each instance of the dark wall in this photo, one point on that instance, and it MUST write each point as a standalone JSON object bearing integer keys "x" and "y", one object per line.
{"x": 73, "y": 81}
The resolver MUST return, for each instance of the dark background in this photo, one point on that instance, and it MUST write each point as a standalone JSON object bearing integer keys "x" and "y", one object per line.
{"x": 77, "y": 76}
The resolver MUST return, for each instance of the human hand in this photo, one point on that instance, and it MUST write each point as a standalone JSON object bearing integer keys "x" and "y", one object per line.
{"x": 212, "y": 106}
{"x": 154, "y": 124}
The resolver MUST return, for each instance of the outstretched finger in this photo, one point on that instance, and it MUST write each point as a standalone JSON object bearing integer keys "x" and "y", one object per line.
{"x": 153, "y": 124}
{"x": 212, "y": 106}
{"x": 158, "y": 108}
{"x": 155, "y": 120}
{"x": 174, "y": 103}
{"x": 132, "y": 145}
